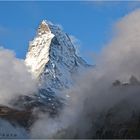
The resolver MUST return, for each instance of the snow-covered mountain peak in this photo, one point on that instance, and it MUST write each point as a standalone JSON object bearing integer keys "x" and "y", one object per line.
{"x": 43, "y": 28}
{"x": 52, "y": 58}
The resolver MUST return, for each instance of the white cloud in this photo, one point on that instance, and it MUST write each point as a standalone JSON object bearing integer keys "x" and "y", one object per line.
{"x": 76, "y": 42}
{"x": 15, "y": 79}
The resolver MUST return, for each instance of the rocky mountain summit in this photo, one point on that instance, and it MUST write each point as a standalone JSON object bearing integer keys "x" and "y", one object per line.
{"x": 52, "y": 59}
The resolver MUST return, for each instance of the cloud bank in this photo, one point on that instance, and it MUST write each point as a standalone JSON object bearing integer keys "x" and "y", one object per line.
{"x": 15, "y": 79}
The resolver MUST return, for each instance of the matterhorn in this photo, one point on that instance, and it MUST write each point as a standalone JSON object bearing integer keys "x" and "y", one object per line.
{"x": 52, "y": 58}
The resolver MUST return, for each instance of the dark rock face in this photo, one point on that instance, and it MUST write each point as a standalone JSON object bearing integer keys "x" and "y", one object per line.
{"x": 24, "y": 118}
{"x": 121, "y": 121}
{"x": 25, "y": 110}
{"x": 128, "y": 129}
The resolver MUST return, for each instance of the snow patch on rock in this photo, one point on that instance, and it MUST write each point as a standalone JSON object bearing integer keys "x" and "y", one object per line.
{"x": 38, "y": 54}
